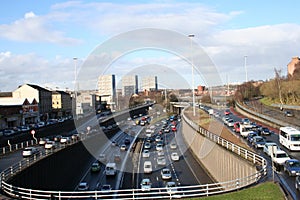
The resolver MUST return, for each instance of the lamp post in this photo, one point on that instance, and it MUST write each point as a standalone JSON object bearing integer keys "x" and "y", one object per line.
{"x": 193, "y": 92}
{"x": 75, "y": 84}
{"x": 245, "y": 65}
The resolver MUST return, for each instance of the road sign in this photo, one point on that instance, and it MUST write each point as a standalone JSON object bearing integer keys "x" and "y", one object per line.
{"x": 88, "y": 128}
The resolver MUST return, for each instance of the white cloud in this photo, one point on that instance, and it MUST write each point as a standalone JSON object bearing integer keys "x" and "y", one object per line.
{"x": 33, "y": 28}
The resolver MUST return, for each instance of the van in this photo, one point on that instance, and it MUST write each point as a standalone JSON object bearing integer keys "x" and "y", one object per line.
{"x": 110, "y": 169}
{"x": 147, "y": 167}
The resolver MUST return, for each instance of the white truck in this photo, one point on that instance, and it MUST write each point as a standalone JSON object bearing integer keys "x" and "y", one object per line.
{"x": 210, "y": 111}
{"x": 245, "y": 129}
{"x": 110, "y": 169}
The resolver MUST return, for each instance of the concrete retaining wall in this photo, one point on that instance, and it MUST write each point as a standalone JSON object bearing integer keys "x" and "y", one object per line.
{"x": 220, "y": 163}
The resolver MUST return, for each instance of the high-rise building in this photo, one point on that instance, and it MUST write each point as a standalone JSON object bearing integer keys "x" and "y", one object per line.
{"x": 129, "y": 85}
{"x": 149, "y": 83}
{"x": 107, "y": 88}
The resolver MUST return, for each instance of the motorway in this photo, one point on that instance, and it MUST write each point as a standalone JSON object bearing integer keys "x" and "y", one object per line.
{"x": 287, "y": 181}
{"x": 186, "y": 171}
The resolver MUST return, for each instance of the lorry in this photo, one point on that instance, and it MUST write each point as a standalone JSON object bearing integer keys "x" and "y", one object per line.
{"x": 110, "y": 169}
{"x": 245, "y": 129}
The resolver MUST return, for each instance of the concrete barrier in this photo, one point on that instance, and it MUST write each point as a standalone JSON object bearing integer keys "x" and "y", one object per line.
{"x": 221, "y": 163}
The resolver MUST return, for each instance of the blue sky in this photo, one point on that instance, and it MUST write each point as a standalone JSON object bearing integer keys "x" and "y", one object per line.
{"x": 38, "y": 40}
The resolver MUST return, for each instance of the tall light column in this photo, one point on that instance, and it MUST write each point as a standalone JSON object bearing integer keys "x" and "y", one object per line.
{"x": 75, "y": 84}
{"x": 245, "y": 65}
{"x": 193, "y": 92}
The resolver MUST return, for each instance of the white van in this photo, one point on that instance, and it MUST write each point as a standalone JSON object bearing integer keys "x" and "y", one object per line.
{"x": 147, "y": 167}
{"x": 110, "y": 169}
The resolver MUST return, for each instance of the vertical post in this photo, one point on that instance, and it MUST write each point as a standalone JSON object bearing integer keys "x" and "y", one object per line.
{"x": 245, "y": 65}
{"x": 75, "y": 88}
{"x": 192, "y": 57}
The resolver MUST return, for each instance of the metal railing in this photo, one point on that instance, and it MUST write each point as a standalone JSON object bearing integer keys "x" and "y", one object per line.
{"x": 15, "y": 147}
{"x": 158, "y": 193}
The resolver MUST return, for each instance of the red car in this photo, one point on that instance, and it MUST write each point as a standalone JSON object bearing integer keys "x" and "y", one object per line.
{"x": 227, "y": 112}
{"x": 236, "y": 127}
{"x": 174, "y": 129}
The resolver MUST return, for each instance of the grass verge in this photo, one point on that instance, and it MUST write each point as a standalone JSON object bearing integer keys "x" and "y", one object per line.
{"x": 267, "y": 190}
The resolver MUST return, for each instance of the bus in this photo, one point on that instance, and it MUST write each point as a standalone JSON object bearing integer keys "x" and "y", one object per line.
{"x": 290, "y": 138}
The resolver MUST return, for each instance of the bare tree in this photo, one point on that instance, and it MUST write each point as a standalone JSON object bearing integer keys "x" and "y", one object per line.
{"x": 278, "y": 83}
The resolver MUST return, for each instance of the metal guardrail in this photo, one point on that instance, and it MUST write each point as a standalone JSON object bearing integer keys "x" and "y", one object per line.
{"x": 264, "y": 117}
{"x": 15, "y": 147}
{"x": 158, "y": 193}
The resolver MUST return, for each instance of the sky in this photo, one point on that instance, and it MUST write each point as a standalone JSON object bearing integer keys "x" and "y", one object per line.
{"x": 245, "y": 40}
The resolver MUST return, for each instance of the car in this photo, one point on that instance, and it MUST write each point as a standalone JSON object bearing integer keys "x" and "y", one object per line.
{"x": 227, "y": 112}
{"x": 146, "y": 184}
{"x": 160, "y": 153}
{"x": 146, "y": 153}
{"x": 147, "y": 167}
{"x": 114, "y": 143}
{"x": 174, "y": 156}
{"x": 64, "y": 140}
{"x": 83, "y": 186}
{"x": 289, "y": 113}
{"x": 279, "y": 157}
{"x": 50, "y": 145}
{"x": 117, "y": 158}
{"x": 258, "y": 142}
{"x": 166, "y": 173}
{"x": 230, "y": 122}
{"x": 297, "y": 183}
{"x": 171, "y": 188}
{"x": 127, "y": 141}
{"x": 265, "y": 131}
{"x": 167, "y": 130}
{"x": 43, "y": 141}
{"x": 269, "y": 147}
{"x": 147, "y": 145}
{"x": 236, "y": 127}
{"x": 123, "y": 147}
{"x": 159, "y": 147}
{"x": 105, "y": 188}
{"x": 57, "y": 138}
{"x": 75, "y": 136}
{"x": 95, "y": 167}
{"x": 157, "y": 138}
{"x": 29, "y": 151}
{"x": 251, "y": 135}
{"x": 102, "y": 157}
{"x": 246, "y": 121}
{"x": 161, "y": 160}
{"x": 173, "y": 145}
{"x": 174, "y": 129}
{"x": 8, "y": 132}
{"x": 292, "y": 167}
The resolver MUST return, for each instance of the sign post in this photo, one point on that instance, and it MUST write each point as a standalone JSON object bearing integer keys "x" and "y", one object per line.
{"x": 33, "y": 135}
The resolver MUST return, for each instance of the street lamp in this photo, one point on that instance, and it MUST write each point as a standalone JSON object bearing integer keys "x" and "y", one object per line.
{"x": 245, "y": 65}
{"x": 193, "y": 92}
{"x": 75, "y": 84}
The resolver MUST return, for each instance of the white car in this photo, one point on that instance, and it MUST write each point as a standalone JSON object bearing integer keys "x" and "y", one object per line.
{"x": 173, "y": 146}
{"x": 43, "y": 141}
{"x": 146, "y": 153}
{"x": 50, "y": 145}
{"x": 160, "y": 153}
{"x": 268, "y": 147}
{"x": 123, "y": 147}
{"x": 161, "y": 160}
{"x": 64, "y": 140}
{"x": 171, "y": 188}
{"x": 166, "y": 173}
{"x": 175, "y": 156}
{"x": 147, "y": 145}
{"x": 159, "y": 147}
{"x": 147, "y": 167}
{"x": 146, "y": 184}
{"x": 83, "y": 186}
{"x": 279, "y": 157}
{"x": 29, "y": 151}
